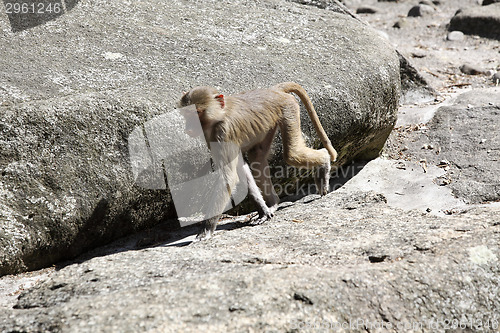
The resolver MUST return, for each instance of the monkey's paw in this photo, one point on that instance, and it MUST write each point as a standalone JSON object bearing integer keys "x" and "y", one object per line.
{"x": 263, "y": 217}
{"x": 203, "y": 235}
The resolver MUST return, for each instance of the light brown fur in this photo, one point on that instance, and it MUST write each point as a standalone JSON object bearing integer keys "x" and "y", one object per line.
{"x": 249, "y": 120}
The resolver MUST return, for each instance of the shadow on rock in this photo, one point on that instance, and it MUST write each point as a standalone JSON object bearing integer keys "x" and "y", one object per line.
{"x": 28, "y": 14}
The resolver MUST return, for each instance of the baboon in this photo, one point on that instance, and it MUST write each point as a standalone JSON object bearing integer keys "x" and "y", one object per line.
{"x": 249, "y": 121}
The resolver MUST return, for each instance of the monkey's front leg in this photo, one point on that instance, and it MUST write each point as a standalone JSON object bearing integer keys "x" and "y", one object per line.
{"x": 265, "y": 213}
{"x": 226, "y": 162}
{"x": 207, "y": 228}
{"x": 263, "y": 216}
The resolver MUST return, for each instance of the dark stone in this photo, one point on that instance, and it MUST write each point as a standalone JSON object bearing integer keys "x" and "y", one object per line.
{"x": 27, "y": 14}
{"x": 420, "y": 10}
{"x": 413, "y": 86}
{"x": 489, "y": 2}
{"x": 471, "y": 70}
{"x": 482, "y": 21}
{"x": 366, "y": 10}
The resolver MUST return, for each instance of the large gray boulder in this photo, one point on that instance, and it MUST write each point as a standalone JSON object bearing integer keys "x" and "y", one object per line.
{"x": 66, "y": 182}
{"x": 74, "y": 89}
{"x": 462, "y": 139}
{"x": 347, "y": 260}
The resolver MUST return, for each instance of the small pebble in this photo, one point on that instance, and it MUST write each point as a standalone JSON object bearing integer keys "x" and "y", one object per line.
{"x": 496, "y": 78}
{"x": 471, "y": 70}
{"x": 366, "y": 10}
{"x": 420, "y": 10}
{"x": 418, "y": 55}
{"x": 443, "y": 181}
{"x": 400, "y": 24}
{"x": 455, "y": 36}
{"x": 383, "y": 34}
{"x": 427, "y": 3}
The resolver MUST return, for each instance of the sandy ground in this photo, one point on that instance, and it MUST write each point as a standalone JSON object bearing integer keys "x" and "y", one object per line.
{"x": 423, "y": 40}
{"x": 12, "y": 285}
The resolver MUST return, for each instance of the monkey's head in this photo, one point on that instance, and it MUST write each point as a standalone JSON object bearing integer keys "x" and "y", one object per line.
{"x": 209, "y": 109}
{"x": 202, "y": 96}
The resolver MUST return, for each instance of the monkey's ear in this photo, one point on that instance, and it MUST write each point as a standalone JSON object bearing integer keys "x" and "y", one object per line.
{"x": 184, "y": 99}
{"x": 220, "y": 98}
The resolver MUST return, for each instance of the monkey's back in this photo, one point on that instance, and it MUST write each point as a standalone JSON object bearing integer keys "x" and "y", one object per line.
{"x": 253, "y": 114}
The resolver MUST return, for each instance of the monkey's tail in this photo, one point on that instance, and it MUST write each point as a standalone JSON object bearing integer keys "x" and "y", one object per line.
{"x": 292, "y": 87}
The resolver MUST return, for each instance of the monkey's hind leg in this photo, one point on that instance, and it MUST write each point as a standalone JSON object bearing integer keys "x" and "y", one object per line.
{"x": 297, "y": 154}
{"x": 257, "y": 157}
{"x": 322, "y": 177}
